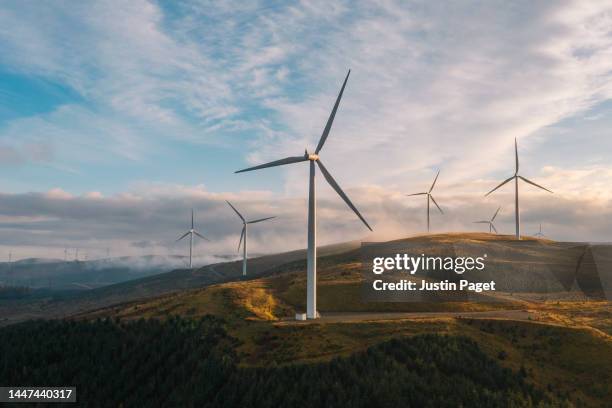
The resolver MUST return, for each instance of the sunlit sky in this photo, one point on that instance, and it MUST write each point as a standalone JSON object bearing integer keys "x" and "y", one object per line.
{"x": 117, "y": 117}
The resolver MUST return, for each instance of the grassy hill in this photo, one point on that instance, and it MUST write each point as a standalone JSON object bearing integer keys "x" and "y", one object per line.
{"x": 562, "y": 348}
{"x": 55, "y": 305}
{"x": 278, "y": 291}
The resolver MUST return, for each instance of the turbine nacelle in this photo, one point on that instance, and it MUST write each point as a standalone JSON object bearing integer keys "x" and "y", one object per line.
{"x": 311, "y": 156}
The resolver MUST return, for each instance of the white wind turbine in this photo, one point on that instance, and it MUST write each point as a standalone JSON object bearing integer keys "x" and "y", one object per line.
{"x": 516, "y": 178}
{"x": 243, "y": 235}
{"x": 311, "y": 276}
{"x": 429, "y": 197}
{"x": 539, "y": 234}
{"x": 191, "y": 233}
{"x": 490, "y": 222}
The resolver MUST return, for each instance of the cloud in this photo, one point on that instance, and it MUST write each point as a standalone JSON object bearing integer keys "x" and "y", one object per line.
{"x": 149, "y": 221}
{"x": 433, "y": 86}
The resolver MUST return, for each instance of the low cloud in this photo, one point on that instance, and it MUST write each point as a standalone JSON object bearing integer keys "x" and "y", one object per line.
{"x": 149, "y": 222}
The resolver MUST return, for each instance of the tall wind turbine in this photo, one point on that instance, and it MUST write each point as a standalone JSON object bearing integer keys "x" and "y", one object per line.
{"x": 490, "y": 222}
{"x": 539, "y": 234}
{"x": 191, "y": 233}
{"x": 311, "y": 277}
{"x": 516, "y": 178}
{"x": 429, "y": 197}
{"x": 243, "y": 234}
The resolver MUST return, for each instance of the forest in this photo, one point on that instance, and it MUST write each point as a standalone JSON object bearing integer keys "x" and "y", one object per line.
{"x": 181, "y": 362}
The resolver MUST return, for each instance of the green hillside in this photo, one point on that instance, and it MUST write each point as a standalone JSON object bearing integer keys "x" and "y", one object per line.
{"x": 181, "y": 362}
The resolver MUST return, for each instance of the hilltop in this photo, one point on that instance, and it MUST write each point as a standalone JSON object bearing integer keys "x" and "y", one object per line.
{"x": 280, "y": 278}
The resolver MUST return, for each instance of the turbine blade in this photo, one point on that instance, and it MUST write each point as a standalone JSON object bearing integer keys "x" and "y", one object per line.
{"x": 434, "y": 201}
{"x": 434, "y": 182}
{"x": 481, "y": 222}
{"x": 332, "y": 115}
{"x": 534, "y": 184}
{"x": 201, "y": 236}
{"x": 236, "y": 211}
{"x": 192, "y": 218}
{"x": 241, "y": 236}
{"x": 336, "y": 187}
{"x": 494, "y": 229}
{"x": 286, "y": 160}
{"x": 260, "y": 220}
{"x": 416, "y": 194}
{"x": 501, "y": 184}
{"x": 183, "y": 236}
{"x": 495, "y": 215}
{"x": 516, "y": 156}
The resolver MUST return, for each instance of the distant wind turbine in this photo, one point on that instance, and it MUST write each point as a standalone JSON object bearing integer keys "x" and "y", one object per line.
{"x": 10, "y": 272}
{"x": 191, "y": 233}
{"x": 429, "y": 197}
{"x": 539, "y": 234}
{"x": 243, "y": 235}
{"x": 516, "y": 178}
{"x": 311, "y": 276}
{"x": 490, "y": 222}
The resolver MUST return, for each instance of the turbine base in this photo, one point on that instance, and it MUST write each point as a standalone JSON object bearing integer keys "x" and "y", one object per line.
{"x": 304, "y": 316}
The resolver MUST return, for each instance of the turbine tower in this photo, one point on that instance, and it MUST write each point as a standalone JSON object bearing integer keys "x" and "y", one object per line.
{"x": 243, "y": 234}
{"x": 10, "y": 264}
{"x": 490, "y": 222}
{"x": 429, "y": 197}
{"x": 313, "y": 157}
{"x": 191, "y": 233}
{"x": 516, "y": 178}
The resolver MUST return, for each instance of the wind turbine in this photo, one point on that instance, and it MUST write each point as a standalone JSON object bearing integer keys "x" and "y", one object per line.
{"x": 429, "y": 197}
{"x": 191, "y": 233}
{"x": 243, "y": 234}
{"x": 516, "y": 178}
{"x": 10, "y": 264}
{"x": 539, "y": 234}
{"x": 490, "y": 222}
{"x": 311, "y": 276}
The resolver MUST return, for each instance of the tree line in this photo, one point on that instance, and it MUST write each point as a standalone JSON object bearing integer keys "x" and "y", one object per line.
{"x": 191, "y": 363}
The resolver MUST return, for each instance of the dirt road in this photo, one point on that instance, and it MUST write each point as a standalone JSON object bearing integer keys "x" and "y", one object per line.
{"x": 365, "y": 317}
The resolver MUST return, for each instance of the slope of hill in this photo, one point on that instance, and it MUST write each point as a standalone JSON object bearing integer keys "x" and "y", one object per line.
{"x": 54, "y": 306}
{"x": 525, "y": 263}
{"x": 563, "y": 349}
{"x": 192, "y": 363}
{"x": 58, "y": 275}
{"x": 543, "y": 267}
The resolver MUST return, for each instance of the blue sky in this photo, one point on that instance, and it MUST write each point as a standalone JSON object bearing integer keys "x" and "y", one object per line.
{"x": 161, "y": 101}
